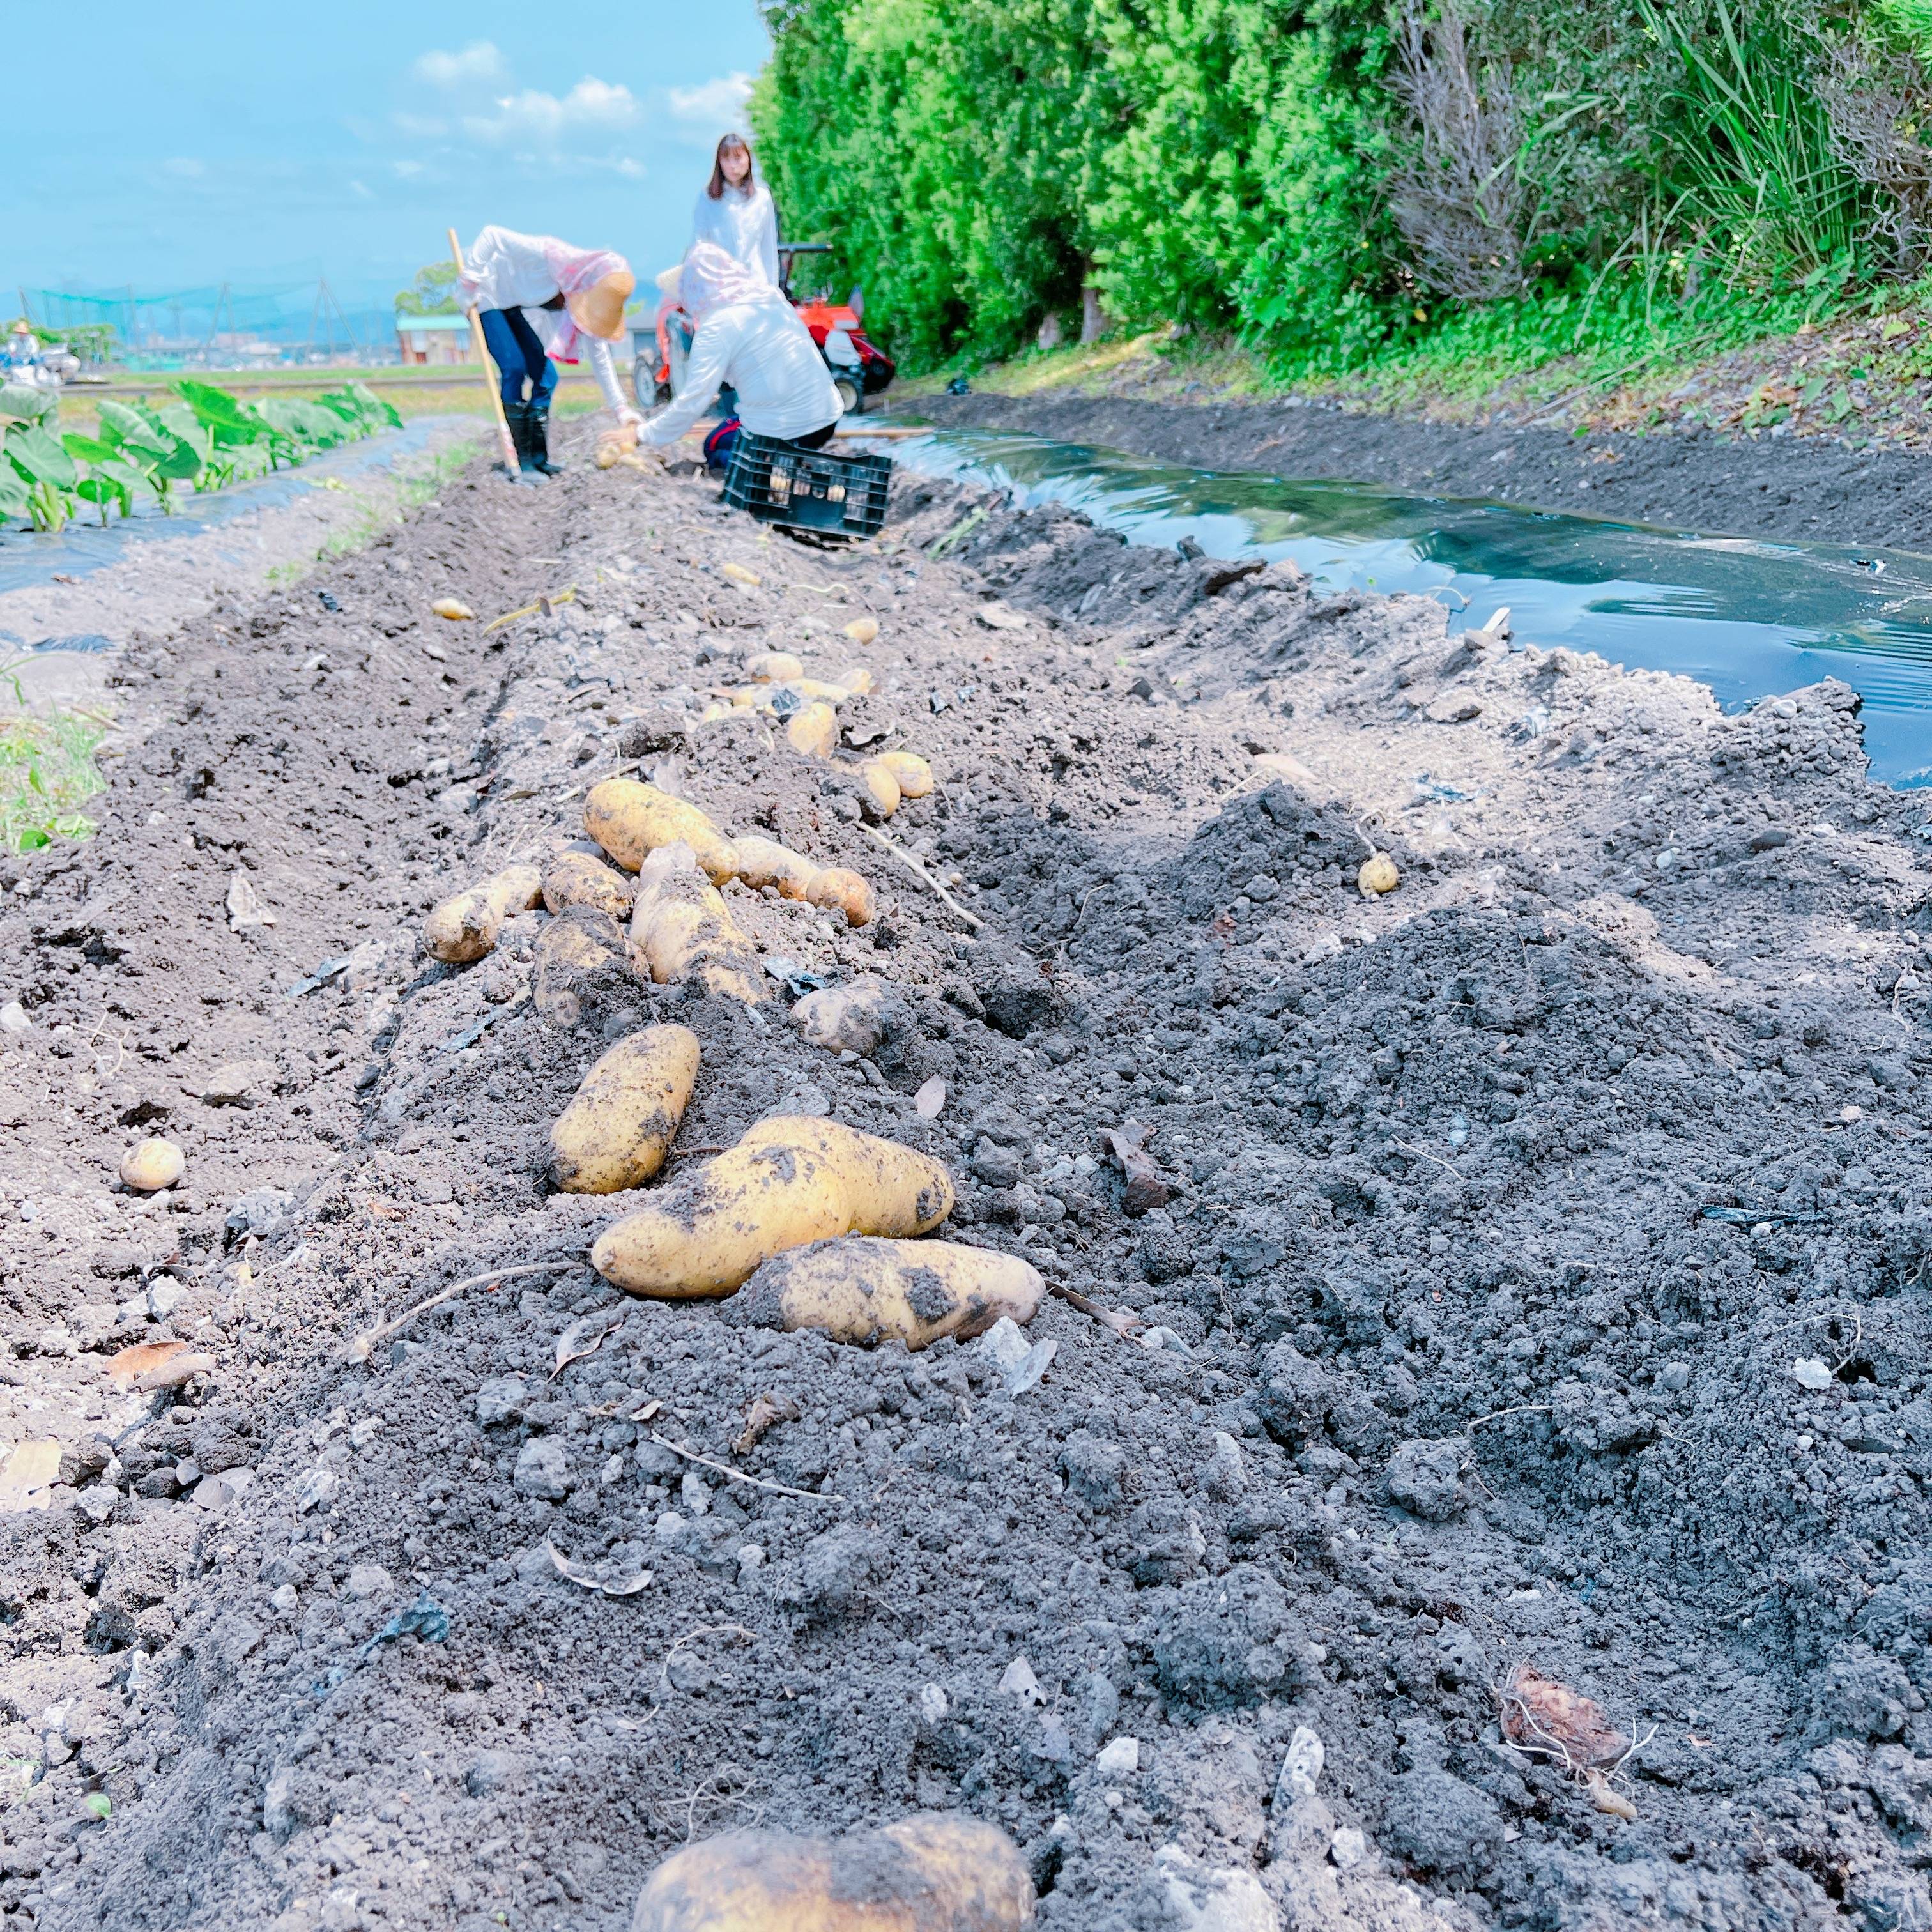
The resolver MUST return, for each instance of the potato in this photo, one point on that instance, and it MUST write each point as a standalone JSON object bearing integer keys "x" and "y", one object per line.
{"x": 836, "y": 888}
{"x": 1377, "y": 875}
{"x": 149, "y": 1166}
{"x": 713, "y": 713}
{"x": 861, "y": 1290}
{"x": 862, "y": 630}
{"x": 935, "y": 1872}
{"x": 856, "y": 681}
{"x": 577, "y": 877}
{"x": 619, "y": 1125}
{"x": 844, "y": 1019}
{"x": 681, "y": 929}
{"x": 773, "y": 666}
{"x": 912, "y": 773}
{"x": 454, "y": 609}
{"x": 581, "y": 943}
{"x": 882, "y": 789}
{"x": 764, "y": 862}
{"x": 793, "y": 1178}
{"x": 631, "y": 820}
{"x": 814, "y": 730}
{"x": 465, "y": 927}
{"x": 608, "y": 456}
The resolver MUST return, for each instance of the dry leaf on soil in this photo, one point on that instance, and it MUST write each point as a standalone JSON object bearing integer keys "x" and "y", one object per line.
{"x": 585, "y": 1336}
{"x": 930, "y": 1098}
{"x": 127, "y": 1367}
{"x": 765, "y": 1410}
{"x": 587, "y": 1579}
{"x": 27, "y": 1482}
{"x": 1541, "y": 1715}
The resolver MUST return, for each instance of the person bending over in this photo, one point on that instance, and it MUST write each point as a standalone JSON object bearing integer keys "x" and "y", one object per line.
{"x": 542, "y": 301}
{"x": 749, "y": 335}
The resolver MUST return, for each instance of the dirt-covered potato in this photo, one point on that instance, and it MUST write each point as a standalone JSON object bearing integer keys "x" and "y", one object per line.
{"x": 631, "y": 820}
{"x": 149, "y": 1166}
{"x": 814, "y": 730}
{"x": 935, "y": 1872}
{"x": 764, "y": 862}
{"x": 844, "y": 1019}
{"x": 574, "y": 949}
{"x": 882, "y": 789}
{"x": 576, "y": 877}
{"x": 620, "y": 1124}
{"x": 867, "y": 1291}
{"x": 913, "y": 774}
{"x": 1379, "y": 875}
{"x": 773, "y": 666}
{"x": 465, "y": 927}
{"x": 681, "y": 929}
{"x": 862, "y": 630}
{"x": 837, "y": 889}
{"x": 793, "y": 1178}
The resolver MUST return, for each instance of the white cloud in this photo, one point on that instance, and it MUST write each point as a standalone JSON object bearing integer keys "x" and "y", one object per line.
{"x": 406, "y": 170}
{"x": 361, "y": 190}
{"x": 183, "y": 169}
{"x": 535, "y": 116}
{"x": 718, "y": 103}
{"x": 479, "y": 64}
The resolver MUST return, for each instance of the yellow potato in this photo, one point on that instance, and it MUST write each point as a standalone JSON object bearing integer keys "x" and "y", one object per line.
{"x": 856, "y": 682}
{"x": 764, "y": 862}
{"x": 844, "y": 1019}
{"x": 1377, "y": 875}
{"x": 935, "y": 1872}
{"x": 576, "y": 877}
{"x": 738, "y": 574}
{"x": 149, "y": 1166}
{"x": 773, "y": 666}
{"x": 835, "y": 888}
{"x": 619, "y": 1126}
{"x": 581, "y": 942}
{"x": 862, "y": 630}
{"x": 814, "y": 730}
{"x": 681, "y": 929}
{"x": 914, "y": 776}
{"x": 465, "y": 927}
{"x": 713, "y": 713}
{"x": 631, "y": 820}
{"x": 793, "y": 1178}
{"x": 881, "y": 787}
{"x": 866, "y": 1291}
{"x": 608, "y": 455}
{"x": 454, "y": 609}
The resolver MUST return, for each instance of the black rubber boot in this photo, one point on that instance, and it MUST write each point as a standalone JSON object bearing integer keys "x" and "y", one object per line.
{"x": 517, "y": 416}
{"x": 539, "y": 417}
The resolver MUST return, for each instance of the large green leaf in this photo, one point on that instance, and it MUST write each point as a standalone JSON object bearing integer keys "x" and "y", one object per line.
{"x": 12, "y": 492}
{"x": 220, "y": 410}
{"x": 86, "y": 448}
{"x": 41, "y": 459}
{"x": 183, "y": 421}
{"x": 126, "y": 426}
{"x": 181, "y": 464}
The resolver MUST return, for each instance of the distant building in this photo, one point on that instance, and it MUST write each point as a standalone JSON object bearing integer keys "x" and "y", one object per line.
{"x": 433, "y": 338}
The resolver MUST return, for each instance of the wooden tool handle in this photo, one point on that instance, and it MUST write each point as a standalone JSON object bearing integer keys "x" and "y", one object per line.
{"x": 504, "y": 436}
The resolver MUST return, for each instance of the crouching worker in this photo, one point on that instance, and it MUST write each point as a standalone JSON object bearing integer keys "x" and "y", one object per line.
{"x": 542, "y": 302}
{"x": 748, "y": 334}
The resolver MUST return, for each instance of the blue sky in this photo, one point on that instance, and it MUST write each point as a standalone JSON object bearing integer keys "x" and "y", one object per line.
{"x": 266, "y": 143}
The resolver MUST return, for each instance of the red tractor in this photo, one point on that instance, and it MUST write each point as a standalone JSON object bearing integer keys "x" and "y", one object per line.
{"x": 860, "y": 370}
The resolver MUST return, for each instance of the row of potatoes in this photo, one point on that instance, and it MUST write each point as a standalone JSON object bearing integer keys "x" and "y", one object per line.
{"x": 812, "y": 1223}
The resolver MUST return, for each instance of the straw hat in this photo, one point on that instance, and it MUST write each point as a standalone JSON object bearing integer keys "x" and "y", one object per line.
{"x": 22, "y": 326}
{"x": 599, "y": 310}
{"x": 669, "y": 281}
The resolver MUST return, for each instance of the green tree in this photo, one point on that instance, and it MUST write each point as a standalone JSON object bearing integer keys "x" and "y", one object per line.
{"x": 433, "y": 293}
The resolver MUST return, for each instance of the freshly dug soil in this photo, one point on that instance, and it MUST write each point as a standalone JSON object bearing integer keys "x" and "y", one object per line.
{"x": 1794, "y": 489}
{"x": 1439, "y": 1362}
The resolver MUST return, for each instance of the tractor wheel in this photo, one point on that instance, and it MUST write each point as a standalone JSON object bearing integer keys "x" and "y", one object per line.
{"x": 851, "y": 398}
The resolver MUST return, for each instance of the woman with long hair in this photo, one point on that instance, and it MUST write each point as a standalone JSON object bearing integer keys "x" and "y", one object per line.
{"x": 735, "y": 211}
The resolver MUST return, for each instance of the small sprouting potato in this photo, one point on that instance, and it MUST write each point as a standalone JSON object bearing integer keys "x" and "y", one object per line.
{"x": 764, "y": 862}
{"x": 1377, "y": 875}
{"x": 913, "y": 774}
{"x": 773, "y": 666}
{"x": 581, "y": 944}
{"x": 856, "y": 682}
{"x": 863, "y": 1290}
{"x": 837, "y": 889}
{"x": 747, "y": 696}
{"x": 577, "y": 877}
{"x": 465, "y": 927}
{"x": 681, "y": 929}
{"x": 814, "y": 730}
{"x": 149, "y": 1166}
{"x": 631, "y": 820}
{"x": 882, "y": 789}
{"x": 619, "y": 1125}
{"x": 844, "y": 1019}
{"x": 862, "y": 630}
{"x": 817, "y": 690}
{"x": 454, "y": 609}
{"x": 608, "y": 455}
{"x": 793, "y": 1179}
{"x": 935, "y": 1872}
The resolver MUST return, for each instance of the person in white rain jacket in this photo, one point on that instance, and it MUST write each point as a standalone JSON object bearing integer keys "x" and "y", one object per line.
{"x": 735, "y": 210}
{"x": 542, "y": 301}
{"x": 750, "y": 336}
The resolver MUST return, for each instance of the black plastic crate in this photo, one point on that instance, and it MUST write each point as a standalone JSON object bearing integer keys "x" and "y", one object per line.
{"x": 808, "y": 489}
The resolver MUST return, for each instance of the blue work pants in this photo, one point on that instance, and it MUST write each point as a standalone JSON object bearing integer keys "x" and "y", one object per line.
{"x": 518, "y": 353}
